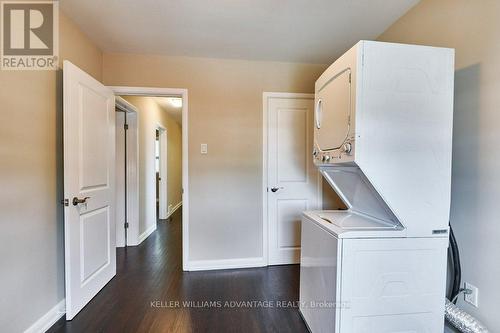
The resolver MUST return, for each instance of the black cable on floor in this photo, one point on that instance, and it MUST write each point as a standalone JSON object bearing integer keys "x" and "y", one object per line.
{"x": 457, "y": 269}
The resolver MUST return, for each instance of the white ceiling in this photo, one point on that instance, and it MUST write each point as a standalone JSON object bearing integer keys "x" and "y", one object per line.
{"x": 166, "y": 105}
{"x": 315, "y": 31}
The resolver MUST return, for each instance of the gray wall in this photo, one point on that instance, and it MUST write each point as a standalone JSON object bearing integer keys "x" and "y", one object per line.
{"x": 473, "y": 29}
{"x": 31, "y": 240}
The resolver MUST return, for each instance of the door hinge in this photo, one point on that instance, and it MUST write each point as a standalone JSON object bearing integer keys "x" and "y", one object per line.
{"x": 349, "y": 77}
{"x": 65, "y": 202}
{"x": 125, "y": 126}
{"x": 126, "y": 225}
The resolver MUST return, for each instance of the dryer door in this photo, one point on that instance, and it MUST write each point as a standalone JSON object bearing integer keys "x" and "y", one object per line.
{"x": 332, "y": 112}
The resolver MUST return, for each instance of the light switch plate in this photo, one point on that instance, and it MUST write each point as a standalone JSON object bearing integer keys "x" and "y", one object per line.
{"x": 204, "y": 148}
{"x": 471, "y": 298}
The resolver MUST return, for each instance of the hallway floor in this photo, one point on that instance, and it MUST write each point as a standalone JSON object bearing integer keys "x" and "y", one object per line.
{"x": 151, "y": 293}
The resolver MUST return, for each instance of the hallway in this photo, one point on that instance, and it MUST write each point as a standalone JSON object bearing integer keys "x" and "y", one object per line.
{"x": 149, "y": 290}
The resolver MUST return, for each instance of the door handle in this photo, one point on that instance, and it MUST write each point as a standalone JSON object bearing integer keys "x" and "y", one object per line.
{"x": 318, "y": 110}
{"x": 77, "y": 201}
{"x": 276, "y": 189}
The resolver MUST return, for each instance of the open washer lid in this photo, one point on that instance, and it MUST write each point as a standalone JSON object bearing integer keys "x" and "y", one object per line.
{"x": 359, "y": 196}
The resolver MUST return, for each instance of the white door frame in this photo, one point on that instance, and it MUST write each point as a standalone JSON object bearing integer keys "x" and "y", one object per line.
{"x": 168, "y": 92}
{"x": 162, "y": 186}
{"x": 265, "y": 134}
{"x": 132, "y": 170}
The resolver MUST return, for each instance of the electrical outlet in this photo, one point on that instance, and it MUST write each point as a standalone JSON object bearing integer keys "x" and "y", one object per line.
{"x": 472, "y": 296}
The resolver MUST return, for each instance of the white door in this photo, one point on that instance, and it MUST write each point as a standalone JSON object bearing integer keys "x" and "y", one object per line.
{"x": 89, "y": 181}
{"x": 292, "y": 179}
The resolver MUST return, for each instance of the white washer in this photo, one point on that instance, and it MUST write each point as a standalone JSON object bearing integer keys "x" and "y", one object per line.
{"x": 368, "y": 285}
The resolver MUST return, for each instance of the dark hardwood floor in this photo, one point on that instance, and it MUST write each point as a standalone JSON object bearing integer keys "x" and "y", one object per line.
{"x": 149, "y": 290}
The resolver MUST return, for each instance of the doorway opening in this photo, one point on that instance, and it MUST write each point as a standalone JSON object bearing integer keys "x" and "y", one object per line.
{"x": 163, "y": 205}
{"x": 163, "y": 164}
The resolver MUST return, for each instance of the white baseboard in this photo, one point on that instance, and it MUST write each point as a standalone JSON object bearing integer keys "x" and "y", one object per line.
{"x": 174, "y": 209}
{"x": 205, "y": 265}
{"x": 146, "y": 233}
{"x": 48, "y": 319}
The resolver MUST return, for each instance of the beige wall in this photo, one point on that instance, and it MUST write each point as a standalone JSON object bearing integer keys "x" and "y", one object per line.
{"x": 330, "y": 199}
{"x": 150, "y": 115}
{"x": 174, "y": 163}
{"x": 31, "y": 241}
{"x": 473, "y": 29}
{"x": 225, "y": 111}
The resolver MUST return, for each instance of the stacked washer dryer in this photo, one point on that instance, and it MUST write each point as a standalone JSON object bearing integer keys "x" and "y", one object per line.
{"x": 383, "y": 141}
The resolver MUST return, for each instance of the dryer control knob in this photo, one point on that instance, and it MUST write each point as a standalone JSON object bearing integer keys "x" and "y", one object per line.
{"x": 347, "y": 147}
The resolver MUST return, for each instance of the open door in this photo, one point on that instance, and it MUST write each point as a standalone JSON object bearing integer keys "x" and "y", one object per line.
{"x": 89, "y": 185}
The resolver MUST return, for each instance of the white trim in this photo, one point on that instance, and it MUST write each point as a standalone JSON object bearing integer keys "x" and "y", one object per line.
{"x": 50, "y": 318}
{"x": 149, "y": 91}
{"x": 265, "y": 133}
{"x": 124, "y": 105}
{"x": 133, "y": 171}
{"x": 266, "y": 95}
{"x": 133, "y": 161}
{"x": 174, "y": 209}
{"x": 146, "y": 233}
{"x": 204, "y": 265}
{"x": 265, "y": 237}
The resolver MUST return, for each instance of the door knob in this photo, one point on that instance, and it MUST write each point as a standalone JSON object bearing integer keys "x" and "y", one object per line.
{"x": 276, "y": 189}
{"x": 77, "y": 201}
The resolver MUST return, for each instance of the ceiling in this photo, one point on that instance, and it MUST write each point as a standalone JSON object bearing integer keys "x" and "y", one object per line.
{"x": 175, "y": 112}
{"x": 312, "y": 31}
